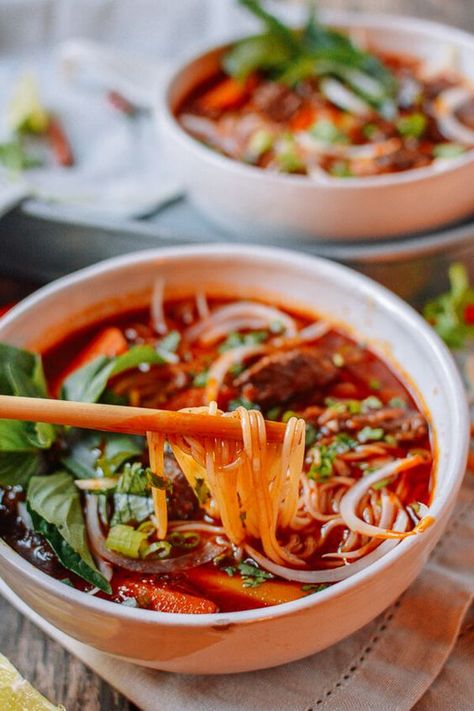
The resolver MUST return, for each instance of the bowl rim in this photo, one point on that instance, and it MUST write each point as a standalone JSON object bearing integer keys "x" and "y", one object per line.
{"x": 391, "y": 22}
{"x": 448, "y": 376}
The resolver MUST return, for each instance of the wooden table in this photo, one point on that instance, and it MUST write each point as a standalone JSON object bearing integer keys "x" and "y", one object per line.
{"x": 55, "y": 673}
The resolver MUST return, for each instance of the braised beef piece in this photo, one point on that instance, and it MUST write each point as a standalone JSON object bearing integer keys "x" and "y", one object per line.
{"x": 182, "y": 501}
{"x": 403, "y": 159}
{"x": 404, "y": 425}
{"x": 465, "y": 113}
{"x": 277, "y": 378}
{"x": 433, "y": 88}
{"x": 277, "y": 101}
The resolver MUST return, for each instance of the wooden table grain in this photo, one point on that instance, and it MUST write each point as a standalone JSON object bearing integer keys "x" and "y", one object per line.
{"x": 57, "y": 674}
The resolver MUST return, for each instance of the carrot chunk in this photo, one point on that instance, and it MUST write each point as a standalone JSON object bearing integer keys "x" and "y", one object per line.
{"x": 303, "y": 118}
{"x": 109, "y": 342}
{"x": 162, "y": 599}
{"x": 220, "y": 585}
{"x": 228, "y": 94}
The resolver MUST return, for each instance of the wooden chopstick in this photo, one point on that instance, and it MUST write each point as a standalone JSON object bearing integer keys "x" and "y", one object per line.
{"x": 132, "y": 420}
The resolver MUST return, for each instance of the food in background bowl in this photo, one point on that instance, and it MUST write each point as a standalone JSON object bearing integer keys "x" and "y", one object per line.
{"x": 299, "y": 286}
{"x": 209, "y": 525}
{"x": 316, "y": 101}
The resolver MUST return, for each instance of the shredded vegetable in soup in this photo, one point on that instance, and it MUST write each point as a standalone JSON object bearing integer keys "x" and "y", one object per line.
{"x": 203, "y": 524}
{"x": 318, "y": 102}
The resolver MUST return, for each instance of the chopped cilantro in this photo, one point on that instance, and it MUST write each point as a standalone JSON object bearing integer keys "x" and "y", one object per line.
{"x": 200, "y": 379}
{"x": 287, "y": 415}
{"x": 170, "y": 342}
{"x": 374, "y": 384}
{"x": 274, "y": 413}
{"x": 322, "y": 469}
{"x": 242, "y": 402}
{"x": 398, "y": 402}
{"x": 236, "y": 339}
{"x": 370, "y": 403}
{"x": 311, "y": 435}
{"x": 370, "y": 434}
{"x": 311, "y": 588}
{"x": 252, "y": 576}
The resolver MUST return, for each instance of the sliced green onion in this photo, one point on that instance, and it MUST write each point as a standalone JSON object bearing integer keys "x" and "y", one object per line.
{"x": 158, "y": 549}
{"x": 125, "y": 540}
{"x": 187, "y": 539}
{"x": 448, "y": 150}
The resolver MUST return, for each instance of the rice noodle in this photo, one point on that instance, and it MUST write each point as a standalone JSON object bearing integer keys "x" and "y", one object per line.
{"x": 354, "y": 495}
{"x": 444, "y": 107}
{"x": 255, "y": 484}
{"x": 157, "y": 311}
{"x": 333, "y": 575}
{"x": 201, "y": 305}
{"x": 221, "y": 366}
{"x": 223, "y": 319}
{"x": 366, "y": 151}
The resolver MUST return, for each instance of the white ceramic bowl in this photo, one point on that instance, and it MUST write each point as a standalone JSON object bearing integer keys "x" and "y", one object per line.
{"x": 242, "y": 641}
{"x": 256, "y": 204}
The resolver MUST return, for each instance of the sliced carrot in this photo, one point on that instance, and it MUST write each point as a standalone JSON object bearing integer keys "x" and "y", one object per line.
{"x": 303, "y": 118}
{"x": 151, "y": 596}
{"x": 109, "y": 342}
{"x": 220, "y": 585}
{"x": 228, "y": 94}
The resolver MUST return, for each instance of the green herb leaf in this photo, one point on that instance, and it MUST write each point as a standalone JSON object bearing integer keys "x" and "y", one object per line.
{"x": 88, "y": 383}
{"x": 311, "y": 588}
{"x": 252, "y": 576}
{"x": 55, "y": 508}
{"x": 412, "y": 125}
{"x": 370, "y": 434}
{"x": 242, "y": 402}
{"x": 236, "y": 339}
{"x": 448, "y": 150}
{"x": 322, "y": 468}
{"x": 328, "y": 132}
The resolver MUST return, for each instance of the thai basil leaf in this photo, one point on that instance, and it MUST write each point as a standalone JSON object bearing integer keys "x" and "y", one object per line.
{"x": 17, "y": 365}
{"x": 16, "y": 468}
{"x": 55, "y": 508}
{"x": 87, "y": 384}
{"x": 91, "y": 451}
{"x": 20, "y": 450}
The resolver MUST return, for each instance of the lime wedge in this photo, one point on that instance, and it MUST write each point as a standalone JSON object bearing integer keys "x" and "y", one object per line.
{"x": 25, "y": 112}
{"x": 16, "y": 694}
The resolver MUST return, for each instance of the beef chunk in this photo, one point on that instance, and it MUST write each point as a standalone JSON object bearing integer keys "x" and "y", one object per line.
{"x": 276, "y": 101}
{"x": 404, "y": 425}
{"x": 465, "y": 113}
{"x": 182, "y": 501}
{"x": 281, "y": 376}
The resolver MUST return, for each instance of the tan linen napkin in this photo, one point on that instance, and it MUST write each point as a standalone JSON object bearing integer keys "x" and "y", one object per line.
{"x": 389, "y": 665}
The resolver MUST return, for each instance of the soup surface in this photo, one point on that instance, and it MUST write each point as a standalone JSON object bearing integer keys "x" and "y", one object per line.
{"x": 319, "y": 102}
{"x": 360, "y": 420}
